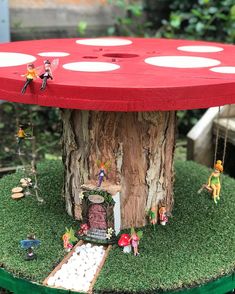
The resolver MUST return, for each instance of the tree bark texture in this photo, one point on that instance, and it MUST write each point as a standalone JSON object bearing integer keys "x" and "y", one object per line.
{"x": 140, "y": 149}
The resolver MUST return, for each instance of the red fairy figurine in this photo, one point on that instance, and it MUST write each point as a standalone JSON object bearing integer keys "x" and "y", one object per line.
{"x": 134, "y": 239}
{"x": 163, "y": 215}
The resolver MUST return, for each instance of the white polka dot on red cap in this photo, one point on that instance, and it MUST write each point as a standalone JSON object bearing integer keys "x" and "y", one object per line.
{"x": 224, "y": 69}
{"x": 15, "y": 59}
{"x": 104, "y": 42}
{"x": 182, "y": 61}
{"x": 53, "y": 54}
{"x": 200, "y": 48}
{"x": 91, "y": 66}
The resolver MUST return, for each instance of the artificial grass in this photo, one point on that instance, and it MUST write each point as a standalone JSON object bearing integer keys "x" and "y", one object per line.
{"x": 47, "y": 221}
{"x": 196, "y": 246}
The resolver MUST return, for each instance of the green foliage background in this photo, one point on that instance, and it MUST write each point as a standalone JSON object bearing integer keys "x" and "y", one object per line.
{"x": 210, "y": 20}
{"x": 46, "y": 127}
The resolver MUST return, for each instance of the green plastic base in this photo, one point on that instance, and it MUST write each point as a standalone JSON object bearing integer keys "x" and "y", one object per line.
{"x": 22, "y": 286}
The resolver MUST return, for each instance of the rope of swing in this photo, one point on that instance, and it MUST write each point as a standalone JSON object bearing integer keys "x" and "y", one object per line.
{"x": 217, "y": 137}
{"x": 225, "y": 135}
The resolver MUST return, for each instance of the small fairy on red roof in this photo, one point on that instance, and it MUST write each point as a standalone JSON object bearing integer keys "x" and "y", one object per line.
{"x": 49, "y": 67}
{"x": 30, "y": 75}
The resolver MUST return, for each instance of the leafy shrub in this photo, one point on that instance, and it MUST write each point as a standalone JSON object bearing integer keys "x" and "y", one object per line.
{"x": 210, "y": 20}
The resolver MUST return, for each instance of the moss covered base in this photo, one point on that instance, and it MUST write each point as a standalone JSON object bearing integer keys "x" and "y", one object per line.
{"x": 196, "y": 247}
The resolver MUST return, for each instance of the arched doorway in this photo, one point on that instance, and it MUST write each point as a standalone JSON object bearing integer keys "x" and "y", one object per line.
{"x": 97, "y": 217}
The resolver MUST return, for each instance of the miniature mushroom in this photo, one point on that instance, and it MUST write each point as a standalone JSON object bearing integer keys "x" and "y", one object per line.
{"x": 124, "y": 105}
{"x": 124, "y": 242}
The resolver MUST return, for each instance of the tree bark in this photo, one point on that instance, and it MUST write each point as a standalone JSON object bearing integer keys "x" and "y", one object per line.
{"x": 139, "y": 147}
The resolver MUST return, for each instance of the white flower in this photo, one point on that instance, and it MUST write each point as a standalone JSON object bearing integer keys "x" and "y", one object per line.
{"x": 81, "y": 195}
{"x": 109, "y": 233}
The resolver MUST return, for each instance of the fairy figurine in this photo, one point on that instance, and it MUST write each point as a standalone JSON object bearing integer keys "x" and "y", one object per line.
{"x": 101, "y": 175}
{"x": 48, "y": 72}
{"x": 29, "y": 244}
{"x": 20, "y": 135}
{"x": 69, "y": 239}
{"x": 163, "y": 215}
{"x": 103, "y": 167}
{"x": 134, "y": 240}
{"x": 214, "y": 180}
{"x": 30, "y": 75}
{"x": 213, "y": 184}
{"x": 152, "y": 214}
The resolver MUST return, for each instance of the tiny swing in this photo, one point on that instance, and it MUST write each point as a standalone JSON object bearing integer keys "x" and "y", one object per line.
{"x": 21, "y": 133}
{"x": 30, "y": 136}
{"x": 213, "y": 185}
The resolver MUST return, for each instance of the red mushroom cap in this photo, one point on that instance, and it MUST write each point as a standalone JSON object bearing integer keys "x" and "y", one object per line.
{"x": 122, "y": 74}
{"x": 124, "y": 240}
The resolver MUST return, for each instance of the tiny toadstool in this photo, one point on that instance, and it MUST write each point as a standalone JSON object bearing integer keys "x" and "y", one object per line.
{"x": 124, "y": 242}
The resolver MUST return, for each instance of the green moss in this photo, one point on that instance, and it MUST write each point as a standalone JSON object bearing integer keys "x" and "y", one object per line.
{"x": 196, "y": 246}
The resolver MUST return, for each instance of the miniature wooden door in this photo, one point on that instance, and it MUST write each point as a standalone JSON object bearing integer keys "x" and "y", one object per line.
{"x": 97, "y": 217}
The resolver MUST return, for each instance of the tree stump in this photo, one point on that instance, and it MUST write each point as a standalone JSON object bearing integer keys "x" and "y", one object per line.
{"x": 138, "y": 145}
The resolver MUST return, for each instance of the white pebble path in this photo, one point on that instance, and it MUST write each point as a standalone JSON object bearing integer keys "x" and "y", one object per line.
{"x": 79, "y": 271}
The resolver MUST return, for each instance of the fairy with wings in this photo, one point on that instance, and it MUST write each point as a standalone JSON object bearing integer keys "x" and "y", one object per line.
{"x": 103, "y": 170}
{"x": 47, "y": 73}
{"x": 30, "y": 75}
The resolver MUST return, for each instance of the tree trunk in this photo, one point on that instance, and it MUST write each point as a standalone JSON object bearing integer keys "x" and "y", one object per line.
{"x": 139, "y": 148}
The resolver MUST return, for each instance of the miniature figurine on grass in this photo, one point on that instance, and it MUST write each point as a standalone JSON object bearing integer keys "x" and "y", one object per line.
{"x": 213, "y": 185}
{"x": 127, "y": 241}
{"x": 30, "y": 75}
{"x": 163, "y": 216}
{"x": 152, "y": 214}
{"x": 69, "y": 239}
{"x": 135, "y": 237}
{"x": 214, "y": 180}
{"x": 29, "y": 244}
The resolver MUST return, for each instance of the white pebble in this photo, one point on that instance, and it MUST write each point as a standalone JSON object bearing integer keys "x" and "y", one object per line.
{"x": 80, "y": 269}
